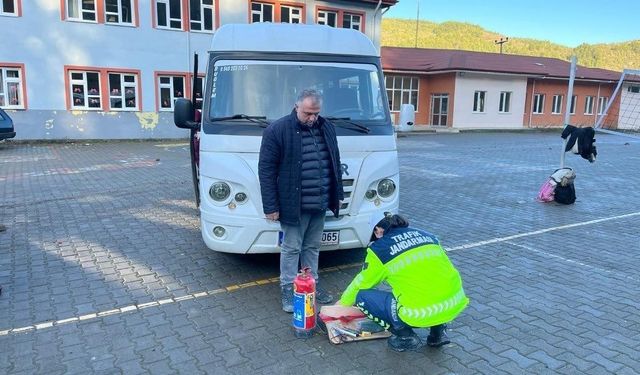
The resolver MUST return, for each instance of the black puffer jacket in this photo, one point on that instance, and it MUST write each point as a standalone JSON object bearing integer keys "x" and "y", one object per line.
{"x": 280, "y": 168}
{"x": 316, "y": 170}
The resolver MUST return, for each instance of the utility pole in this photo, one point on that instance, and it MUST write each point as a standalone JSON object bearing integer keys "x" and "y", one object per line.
{"x": 417, "y": 22}
{"x": 501, "y": 42}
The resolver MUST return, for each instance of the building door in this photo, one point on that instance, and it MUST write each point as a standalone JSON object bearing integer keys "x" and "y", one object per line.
{"x": 439, "y": 109}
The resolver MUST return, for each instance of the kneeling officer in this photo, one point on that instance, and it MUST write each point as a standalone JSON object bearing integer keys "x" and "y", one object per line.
{"x": 426, "y": 288}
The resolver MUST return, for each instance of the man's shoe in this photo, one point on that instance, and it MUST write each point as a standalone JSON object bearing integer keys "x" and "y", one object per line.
{"x": 322, "y": 296}
{"x": 402, "y": 343}
{"x": 436, "y": 341}
{"x": 286, "y": 292}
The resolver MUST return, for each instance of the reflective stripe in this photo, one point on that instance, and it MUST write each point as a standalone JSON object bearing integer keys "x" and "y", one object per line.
{"x": 418, "y": 256}
{"x": 381, "y": 322}
{"x": 436, "y": 308}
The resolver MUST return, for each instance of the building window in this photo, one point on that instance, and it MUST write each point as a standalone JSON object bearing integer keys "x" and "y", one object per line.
{"x": 401, "y": 90}
{"x": 103, "y": 89}
{"x": 123, "y": 92}
{"x": 505, "y": 102}
{"x": 8, "y": 8}
{"x": 85, "y": 90}
{"x": 351, "y": 21}
{"x": 556, "y": 107}
{"x": 199, "y": 86}
{"x": 340, "y": 18}
{"x": 11, "y": 88}
{"x": 169, "y": 14}
{"x": 289, "y": 14}
{"x": 261, "y": 12}
{"x": 171, "y": 87}
{"x": 478, "y": 101}
{"x": 82, "y": 10}
{"x": 633, "y": 89}
{"x": 602, "y": 104}
{"x": 119, "y": 12}
{"x": 327, "y": 17}
{"x": 538, "y": 103}
{"x": 588, "y": 105}
{"x": 574, "y": 100}
{"x": 201, "y": 15}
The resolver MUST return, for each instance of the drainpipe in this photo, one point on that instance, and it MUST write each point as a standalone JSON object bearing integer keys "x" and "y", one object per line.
{"x": 533, "y": 91}
{"x": 377, "y": 8}
{"x": 375, "y": 13}
{"x": 597, "y": 105}
{"x": 189, "y": 65}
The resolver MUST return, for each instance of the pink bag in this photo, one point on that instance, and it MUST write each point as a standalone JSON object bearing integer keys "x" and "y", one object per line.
{"x": 546, "y": 191}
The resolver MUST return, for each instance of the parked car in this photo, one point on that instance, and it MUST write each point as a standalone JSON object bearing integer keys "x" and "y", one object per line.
{"x": 6, "y": 126}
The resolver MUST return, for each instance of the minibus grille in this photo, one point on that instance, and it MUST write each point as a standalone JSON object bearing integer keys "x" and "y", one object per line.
{"x": 348, "y": 185}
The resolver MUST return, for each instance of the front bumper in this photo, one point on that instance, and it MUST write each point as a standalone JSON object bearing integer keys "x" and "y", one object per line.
{"x": 7, "y": 135}
{"x": 258, "y": 235}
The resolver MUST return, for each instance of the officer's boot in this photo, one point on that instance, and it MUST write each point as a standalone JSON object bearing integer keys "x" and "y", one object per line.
{"x": 438, "y": 336}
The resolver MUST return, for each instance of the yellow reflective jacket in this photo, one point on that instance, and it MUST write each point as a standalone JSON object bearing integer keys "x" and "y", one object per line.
{"x": 426, "y": 285}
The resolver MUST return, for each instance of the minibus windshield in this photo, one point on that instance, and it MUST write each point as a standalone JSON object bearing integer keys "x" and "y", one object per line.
{"x": 269, "y": 89}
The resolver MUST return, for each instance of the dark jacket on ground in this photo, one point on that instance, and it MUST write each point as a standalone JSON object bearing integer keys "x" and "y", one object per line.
{"x": 280, "y": 168}
{"x": 584, "y": 137}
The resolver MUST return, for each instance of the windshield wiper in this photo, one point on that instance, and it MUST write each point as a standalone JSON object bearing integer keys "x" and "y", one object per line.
{"x": 347, "y": 120}
{"x": 260, "y": 120}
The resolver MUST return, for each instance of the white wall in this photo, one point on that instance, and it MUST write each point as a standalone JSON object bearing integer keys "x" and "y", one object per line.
{"x": 629, "y": 116}
{"x": 466, "y": 85}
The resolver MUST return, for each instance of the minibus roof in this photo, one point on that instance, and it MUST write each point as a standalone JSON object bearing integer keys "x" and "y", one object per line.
{"x": 286, "y": 37}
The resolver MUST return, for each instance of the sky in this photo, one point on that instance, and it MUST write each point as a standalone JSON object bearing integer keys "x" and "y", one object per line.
{"x": 566, "y": 22}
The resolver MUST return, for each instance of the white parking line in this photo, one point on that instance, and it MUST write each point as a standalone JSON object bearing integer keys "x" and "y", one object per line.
{"x": 125, "y": 309}
{"x": 165, "y": 301}
{"x": 535, "y": 232}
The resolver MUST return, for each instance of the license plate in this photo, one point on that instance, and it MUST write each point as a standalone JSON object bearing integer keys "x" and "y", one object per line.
{"x": 331, "y": 237}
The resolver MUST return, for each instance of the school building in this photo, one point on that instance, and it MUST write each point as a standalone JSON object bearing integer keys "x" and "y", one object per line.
{"x": 108, "y": 69}
{"x": 478, "y": 90}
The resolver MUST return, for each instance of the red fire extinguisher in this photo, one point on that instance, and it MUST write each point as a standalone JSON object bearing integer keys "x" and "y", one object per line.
{"x": 304, "y": 304}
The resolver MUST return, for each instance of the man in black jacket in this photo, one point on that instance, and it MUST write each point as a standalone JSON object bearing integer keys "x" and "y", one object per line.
{"x": 300, "y": 178}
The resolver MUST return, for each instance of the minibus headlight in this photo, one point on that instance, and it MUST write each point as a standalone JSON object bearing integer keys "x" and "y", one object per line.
{"x": 219, "y": 191}
{"x": 386, "y": 188}
{"x": 241, "y": 197}
{"x": 219, "y": 231}
{"x": 370, "y": 194}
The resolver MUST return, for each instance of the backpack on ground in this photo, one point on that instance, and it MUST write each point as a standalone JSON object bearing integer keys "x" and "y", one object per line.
{"x": 546, "y": 193}
{"x": 564, "y": 192}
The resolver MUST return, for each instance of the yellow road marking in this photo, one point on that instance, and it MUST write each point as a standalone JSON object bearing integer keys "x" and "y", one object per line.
{"x": 140, "y": 306}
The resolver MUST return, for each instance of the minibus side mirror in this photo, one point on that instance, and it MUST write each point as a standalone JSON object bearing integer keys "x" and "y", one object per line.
{"x": 183, "y": 115}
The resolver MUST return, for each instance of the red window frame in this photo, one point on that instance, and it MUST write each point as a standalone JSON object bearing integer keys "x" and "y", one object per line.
{"x": 188, "y": 88}
{"x": 277, "y": 10}
{"x": 340, "y": 14}
{"x": 103, "y": 75}
{"x": 100, "y": 16}
{"x": 156, "y": 81}
{"x": 18, "y": 6}
{"x": 23, "y": 81}
{"x": 185, "y": 17}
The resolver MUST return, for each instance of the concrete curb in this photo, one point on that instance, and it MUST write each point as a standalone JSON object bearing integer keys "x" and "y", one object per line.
{"x": 422, "y": 130}
{"x": 97, "y": 140}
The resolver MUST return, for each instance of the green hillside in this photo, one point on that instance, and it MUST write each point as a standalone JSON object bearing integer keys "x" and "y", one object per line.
{"x": 465, "y": 36}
